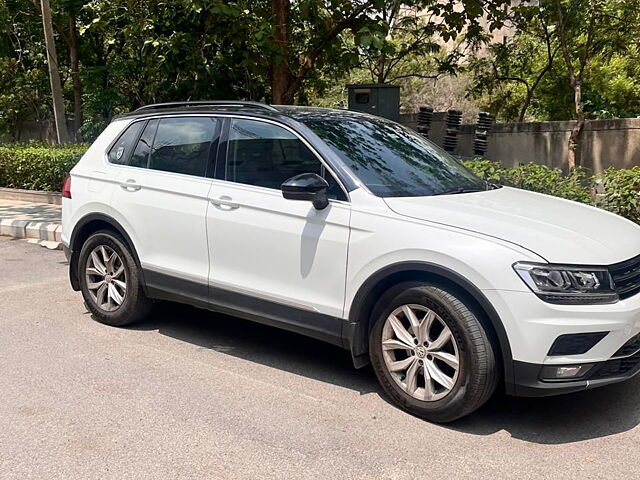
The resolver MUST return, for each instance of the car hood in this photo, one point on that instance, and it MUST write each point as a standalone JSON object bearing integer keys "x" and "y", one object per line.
{"x": 558, "y": 230}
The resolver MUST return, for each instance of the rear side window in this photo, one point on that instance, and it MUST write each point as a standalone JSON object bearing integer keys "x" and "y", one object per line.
{"x": 182, "y": 145}
{"x": 140, "y": 157}
{"x": 122, "y": 149}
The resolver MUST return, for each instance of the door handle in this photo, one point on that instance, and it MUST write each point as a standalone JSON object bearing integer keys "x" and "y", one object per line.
{"x": 130, "y": 186}
{"x": 224, "y": 202}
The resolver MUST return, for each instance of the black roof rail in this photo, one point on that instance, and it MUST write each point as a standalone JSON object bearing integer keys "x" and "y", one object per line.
{"x": 204, "y": 103}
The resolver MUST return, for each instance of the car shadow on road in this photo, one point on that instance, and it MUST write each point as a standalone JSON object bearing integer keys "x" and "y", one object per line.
{"x": 261, "y": 344}
{"x": 553, "y": 420}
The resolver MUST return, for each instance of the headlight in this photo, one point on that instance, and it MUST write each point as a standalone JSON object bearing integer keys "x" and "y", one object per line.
{"x": 567, "y": 285}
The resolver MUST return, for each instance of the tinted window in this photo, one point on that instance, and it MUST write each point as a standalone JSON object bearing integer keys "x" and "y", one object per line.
{"x": 140, "y": 157}
{"x": 182, "y": 145}
{"x": 391, "y": 160}
{"x": 121, "y": 151}
{"x": 266, "y": 155}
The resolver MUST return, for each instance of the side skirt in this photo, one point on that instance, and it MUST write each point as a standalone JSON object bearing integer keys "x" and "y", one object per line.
{"x": 323, "y": 327}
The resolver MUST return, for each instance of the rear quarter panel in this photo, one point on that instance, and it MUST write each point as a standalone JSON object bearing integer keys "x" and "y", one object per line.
{"x": 92, "y": 181}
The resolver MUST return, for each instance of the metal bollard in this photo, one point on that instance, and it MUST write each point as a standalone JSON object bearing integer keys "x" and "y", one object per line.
{"x": 453, "y": 122}
{"x": 483, "y": 126}
{"x": 425, "y": 116}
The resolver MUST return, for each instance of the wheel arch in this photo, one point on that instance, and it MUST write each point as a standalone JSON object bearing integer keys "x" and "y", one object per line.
{"x": 83, "y": 229}
{"x": 359, "y": 322}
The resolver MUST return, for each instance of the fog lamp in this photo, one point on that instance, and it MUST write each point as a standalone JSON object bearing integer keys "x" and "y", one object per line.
{"x": 564, "y": 372}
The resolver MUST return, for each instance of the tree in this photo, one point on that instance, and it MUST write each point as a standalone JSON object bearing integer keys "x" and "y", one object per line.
{"x": 404, "y": 45}
{"x": 115, "y": 55}
{"x": 589, "y": 30}
{"x": 381, "y": 34}
{"x": 522, "y": 61}
{"x": 69, "y": 10}
{"x": 54, "y": 74}
{"x": 23, "y": 71}
{"x": 562, "y": 64}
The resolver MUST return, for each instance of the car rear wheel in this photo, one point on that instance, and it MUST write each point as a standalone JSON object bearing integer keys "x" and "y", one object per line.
{"x": 431, "y": 353}
{"x": 110, "y": 280}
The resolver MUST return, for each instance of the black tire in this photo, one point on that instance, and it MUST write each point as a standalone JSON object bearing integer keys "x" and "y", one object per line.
{"x": 135, "y": 305}
{"x": 477, "y": 375}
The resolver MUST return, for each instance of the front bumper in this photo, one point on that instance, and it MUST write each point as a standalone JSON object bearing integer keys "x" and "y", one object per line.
{"x": 532, "y": 326}
{"x": 528, "y": 383}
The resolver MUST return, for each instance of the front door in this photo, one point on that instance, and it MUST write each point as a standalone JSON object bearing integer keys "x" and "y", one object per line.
{"x": 276, "y": 258}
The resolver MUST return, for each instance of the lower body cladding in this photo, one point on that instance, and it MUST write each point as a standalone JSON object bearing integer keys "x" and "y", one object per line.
{"x": 560, "y": 349}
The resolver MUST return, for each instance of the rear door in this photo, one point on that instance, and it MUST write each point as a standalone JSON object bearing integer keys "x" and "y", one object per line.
{"x": 163, "y": 198}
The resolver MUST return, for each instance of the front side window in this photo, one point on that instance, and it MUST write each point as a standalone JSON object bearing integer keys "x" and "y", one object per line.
{"x": 391, "y": 160}
{"x": 182, "y": 145}
{"x": 122, "y": 149}
{"x": 265, "y": 155}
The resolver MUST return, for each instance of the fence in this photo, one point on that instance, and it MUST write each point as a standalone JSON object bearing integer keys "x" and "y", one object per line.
{"x": 606, "y": 143}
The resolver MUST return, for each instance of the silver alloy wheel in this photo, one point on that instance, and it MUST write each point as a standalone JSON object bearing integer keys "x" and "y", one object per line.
{"x": 420, "y": 352}
{"x": 106, "y": 278}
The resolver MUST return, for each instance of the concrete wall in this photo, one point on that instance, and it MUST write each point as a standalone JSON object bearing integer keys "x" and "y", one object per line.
{"x": 606, "y": 142}
{"x": 32, "y": 131}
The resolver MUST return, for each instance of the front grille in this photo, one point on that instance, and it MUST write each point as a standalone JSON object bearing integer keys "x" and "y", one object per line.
{"x": 618, "y": 367}
{"x": 626, "y": 276}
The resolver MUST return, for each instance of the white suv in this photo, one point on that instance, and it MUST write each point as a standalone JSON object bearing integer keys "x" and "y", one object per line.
{"x": 357, "y": 231}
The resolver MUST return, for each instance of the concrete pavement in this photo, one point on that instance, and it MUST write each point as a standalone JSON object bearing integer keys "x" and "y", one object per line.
{"x": 192, "y": 394}
{"x": 36, "y": 221}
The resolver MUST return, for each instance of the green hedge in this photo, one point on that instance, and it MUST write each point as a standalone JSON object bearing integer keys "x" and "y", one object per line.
{"x": 37, "y": 167}
{"x": 615, "y": 190}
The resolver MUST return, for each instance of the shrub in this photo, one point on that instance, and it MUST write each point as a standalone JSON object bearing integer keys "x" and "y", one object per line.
{"x": 542, "y": 179}
{"x": 488, "y": 170}
{"x": 37, "y": 167}
{"x": 620, "y": 192}
{"x": 537, "y": 178}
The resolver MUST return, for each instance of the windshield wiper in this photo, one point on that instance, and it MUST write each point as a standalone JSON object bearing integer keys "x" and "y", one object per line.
{"x": 457, "y": 190}
{"x": 454, "y": 191}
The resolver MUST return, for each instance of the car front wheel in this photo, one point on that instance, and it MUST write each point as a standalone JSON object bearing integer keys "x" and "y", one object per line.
{"x": 431, "y": 353}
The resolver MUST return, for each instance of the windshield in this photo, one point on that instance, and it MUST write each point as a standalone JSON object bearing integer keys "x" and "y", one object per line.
{"x": 394, "y": 161}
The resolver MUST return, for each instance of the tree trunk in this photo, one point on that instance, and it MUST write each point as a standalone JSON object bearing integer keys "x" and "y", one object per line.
{"x": 280, "y": 70}
{"x": 381, "y": 77}
{"x": 575, "y": 139}
{"x": 75, "y": 76}
{"x": 54, "y": 74}
{"x": 525, "y": 105}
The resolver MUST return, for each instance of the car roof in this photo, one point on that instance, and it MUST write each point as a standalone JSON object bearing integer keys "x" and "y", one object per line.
{"x": 282, "y": 112}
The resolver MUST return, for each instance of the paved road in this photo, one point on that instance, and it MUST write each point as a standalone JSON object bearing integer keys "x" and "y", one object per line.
{"x": 191, "y": 394}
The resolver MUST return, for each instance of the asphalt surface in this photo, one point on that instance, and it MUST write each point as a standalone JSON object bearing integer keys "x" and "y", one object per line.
{"x": 193, "y": 394}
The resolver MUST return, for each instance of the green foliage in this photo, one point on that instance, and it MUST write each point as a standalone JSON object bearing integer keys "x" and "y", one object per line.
{"x": 528, "y": 77}
{"x": 23, "y": 76}
{"x": 134, "y": 52}
{"x": 621, "y": 192}
{"x": 551, "y": 181}
{"x": 37, "y": 167}
{"x": 537, "y": 178}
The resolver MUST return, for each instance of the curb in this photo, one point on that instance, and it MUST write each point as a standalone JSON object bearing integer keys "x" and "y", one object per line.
{"x": 33, "y": 196}
{"x": 49, "y": 232}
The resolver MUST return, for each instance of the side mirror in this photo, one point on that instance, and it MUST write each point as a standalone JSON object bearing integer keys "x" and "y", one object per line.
{"x": 307, "y": 186}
